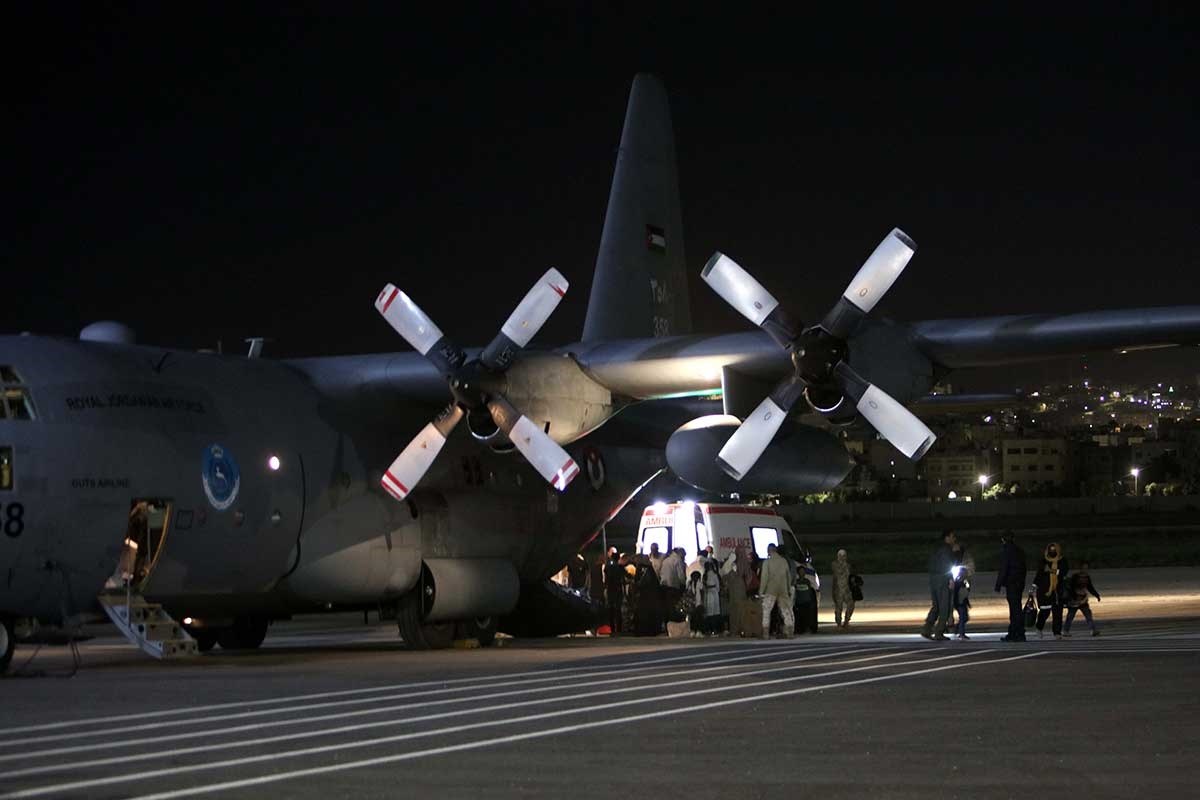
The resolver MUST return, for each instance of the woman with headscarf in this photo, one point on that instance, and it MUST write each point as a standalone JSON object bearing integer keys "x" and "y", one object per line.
{"x": 712, "y": 598}
{"x": 1051, "y": 585}
{"x": 843, "y": 599}
{"x": 648, "y": 615}
{"x": 733, "y": 571}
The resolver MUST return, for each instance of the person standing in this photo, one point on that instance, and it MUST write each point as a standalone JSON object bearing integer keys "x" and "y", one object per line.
{"x": 962, "y": 571}
{"x": 1011, "y": 578}
{"x": 614, "y": 590}
{"x": 733, "y": 573}
{"x": 1051, "y": 585}
{"x": 656, "y": 559}
{"x": 776, "y": 589}
{"x": 712, "y": 598}
{"x": 940, "y": 584}
{"x": 673, "y": 579}
{"x": 1078, "y": 588}
{"x": 843, "y": 598}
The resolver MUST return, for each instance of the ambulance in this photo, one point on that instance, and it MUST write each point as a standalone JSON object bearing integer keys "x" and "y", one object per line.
{"x": 695, "y": 526}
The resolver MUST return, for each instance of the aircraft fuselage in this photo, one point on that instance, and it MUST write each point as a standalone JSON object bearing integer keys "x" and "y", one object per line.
{"x": 269, "y": 473}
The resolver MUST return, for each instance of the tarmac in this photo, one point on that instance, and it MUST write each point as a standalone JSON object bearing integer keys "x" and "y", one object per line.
{"x": 330, "y": 707}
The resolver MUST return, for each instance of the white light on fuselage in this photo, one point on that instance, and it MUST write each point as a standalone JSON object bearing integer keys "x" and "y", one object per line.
{"x": 273, "y": 463}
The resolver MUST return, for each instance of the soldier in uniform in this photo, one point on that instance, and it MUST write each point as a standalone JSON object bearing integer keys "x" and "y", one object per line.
{"x": 776, "y": 589}
{"x": 843, "y": 599}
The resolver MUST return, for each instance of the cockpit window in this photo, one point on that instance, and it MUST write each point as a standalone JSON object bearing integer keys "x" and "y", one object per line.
{"x": 6, "y": 469}
{"x": 15, "y": 400}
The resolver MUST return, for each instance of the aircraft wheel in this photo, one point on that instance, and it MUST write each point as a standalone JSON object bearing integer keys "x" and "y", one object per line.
{"x": 8, "y": 643}
{"x": 206, "y": 639}
{"x": 419, "y": 635}
{"x": 483, "y": 630}
{"x": 246, "y": 633}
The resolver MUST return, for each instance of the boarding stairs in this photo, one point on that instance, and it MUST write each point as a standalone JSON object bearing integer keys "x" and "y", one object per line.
{"x": 147, "y": 625}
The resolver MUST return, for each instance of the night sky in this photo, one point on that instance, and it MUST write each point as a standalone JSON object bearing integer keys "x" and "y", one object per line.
{"x": 218, "y": 177}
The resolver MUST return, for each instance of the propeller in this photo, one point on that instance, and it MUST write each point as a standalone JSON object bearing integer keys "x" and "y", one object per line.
{"x": 473, "y": 385}
{"x": 821, "y": 373}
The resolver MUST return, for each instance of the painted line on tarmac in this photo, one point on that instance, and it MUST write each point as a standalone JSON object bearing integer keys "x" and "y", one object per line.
{"x": 374, "y": 742}
{"x": 548, "y": 674}
{"x": 758, "y": 653}
{"x": 566, "y": 729}
{"x": 777, "y": 666}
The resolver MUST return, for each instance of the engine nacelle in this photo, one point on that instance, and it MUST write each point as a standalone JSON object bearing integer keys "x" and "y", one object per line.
{"x": 551, "y": 388}
{"x": 800, "y": 460}
{"x": 469, "y": 588}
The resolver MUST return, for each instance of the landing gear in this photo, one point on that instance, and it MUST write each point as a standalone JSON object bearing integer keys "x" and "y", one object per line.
{"x": 206, "y": 638}
{"x": 483, "y": 630}
{"x": 418, "y": 635}
{"x": 8, "y": 643}
{"x": 246, "y": 633}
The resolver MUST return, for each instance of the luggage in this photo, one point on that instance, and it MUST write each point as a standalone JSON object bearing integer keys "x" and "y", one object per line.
{"x": 1030, "y": 612}
{"x": 856, "y": 583}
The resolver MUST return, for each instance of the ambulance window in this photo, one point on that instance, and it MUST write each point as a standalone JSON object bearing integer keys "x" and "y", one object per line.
{"x": 763, "y": 537}
{"x": 6, "y": 468}
{"x": 654, "y": 536}
{"x": 789, "y": 541}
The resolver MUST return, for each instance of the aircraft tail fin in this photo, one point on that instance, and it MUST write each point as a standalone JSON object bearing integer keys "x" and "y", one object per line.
{"x": 640, "y": 285}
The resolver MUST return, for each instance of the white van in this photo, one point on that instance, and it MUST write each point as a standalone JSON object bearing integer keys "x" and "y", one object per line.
{"x": 694, "y": 526}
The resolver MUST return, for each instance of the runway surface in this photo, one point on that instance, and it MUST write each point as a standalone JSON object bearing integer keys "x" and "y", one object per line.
{"x": 328, "y": 711}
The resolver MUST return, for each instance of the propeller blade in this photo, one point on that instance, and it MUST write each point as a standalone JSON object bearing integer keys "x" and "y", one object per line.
{"x": 742, "y": 450}
{"x": 418, "y": 329}
{"x": 870, "y": 283}
{"x": 412, "y": 464}
{"x": 531, "y": 313}
{"x": 739, "y": 288}
{"x": 893, "y": 421}
{"x": 543, "y": 453}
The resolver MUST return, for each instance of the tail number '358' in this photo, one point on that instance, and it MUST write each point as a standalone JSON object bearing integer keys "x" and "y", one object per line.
{"x": 12, "y": 518}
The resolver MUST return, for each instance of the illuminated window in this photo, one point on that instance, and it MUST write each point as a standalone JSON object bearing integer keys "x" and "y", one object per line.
{"x": 6, "y": 469}
{"x": 15, "y": 400}
{"x": 763, "y": 537}
{"x": 654, "y": 536}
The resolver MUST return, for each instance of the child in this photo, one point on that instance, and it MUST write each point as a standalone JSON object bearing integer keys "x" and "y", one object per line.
{"x": 1078, "y": 587}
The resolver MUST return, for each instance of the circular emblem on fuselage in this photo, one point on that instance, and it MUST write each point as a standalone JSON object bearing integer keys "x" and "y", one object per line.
{"x": 595, "y": 468}
{"x": 220, "y": 477}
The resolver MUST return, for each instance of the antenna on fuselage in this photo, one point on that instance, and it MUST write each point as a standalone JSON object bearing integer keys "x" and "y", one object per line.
{"x": 256, "y": 346}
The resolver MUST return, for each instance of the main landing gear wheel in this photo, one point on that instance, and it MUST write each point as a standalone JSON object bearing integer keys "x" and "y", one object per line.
{"x": 8, "y": 643}
{"x": 246, "y": 633}
{"x": 206, "y": 639}
{"x": 483, "y": 630}
{"x": 418, "y": 635}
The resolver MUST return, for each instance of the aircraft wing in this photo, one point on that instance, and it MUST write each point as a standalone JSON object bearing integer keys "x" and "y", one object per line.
{"x": 987, "y": 341}
{"x": 681, "y": 365}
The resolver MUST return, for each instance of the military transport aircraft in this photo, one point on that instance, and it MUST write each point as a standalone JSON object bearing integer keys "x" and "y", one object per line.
{"x": 194, "y": 497}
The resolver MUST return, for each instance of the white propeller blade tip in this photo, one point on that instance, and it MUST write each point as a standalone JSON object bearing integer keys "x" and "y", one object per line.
{"x": 738, "y": 288}
{"x": 752, "y": 437}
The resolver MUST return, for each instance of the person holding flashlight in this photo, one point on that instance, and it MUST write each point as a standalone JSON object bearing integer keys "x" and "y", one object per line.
{"x": 960, "y": 594}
